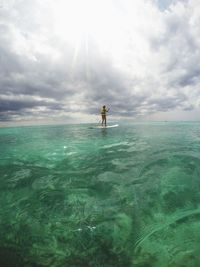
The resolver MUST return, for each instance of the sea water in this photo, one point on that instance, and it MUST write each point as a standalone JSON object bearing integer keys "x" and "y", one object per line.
{"x": 78, "y": 196}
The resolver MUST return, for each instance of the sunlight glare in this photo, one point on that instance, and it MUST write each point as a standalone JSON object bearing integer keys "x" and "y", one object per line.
{"x": 109, "y": 26}
{"x": 76, "y": 20}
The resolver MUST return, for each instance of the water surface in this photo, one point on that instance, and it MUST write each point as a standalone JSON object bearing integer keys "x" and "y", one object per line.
{"x": 73, "y": 195}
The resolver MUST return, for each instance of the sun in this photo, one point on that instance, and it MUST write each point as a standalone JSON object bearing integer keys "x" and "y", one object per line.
{"x": 111, "y": 27}
{"x": 74, "y": 21}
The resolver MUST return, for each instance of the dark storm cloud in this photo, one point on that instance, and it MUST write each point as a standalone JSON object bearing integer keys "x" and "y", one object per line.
{"x": 167, "y": 103}
{"x": 17, "y": 105}
{"x": 190, "y": 78}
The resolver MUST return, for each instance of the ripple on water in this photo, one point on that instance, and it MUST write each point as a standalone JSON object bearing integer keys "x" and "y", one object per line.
{"x": 15, "y": 176}
{"x": 116, "y": 145}
{"x": 109, "y": 177}
{"x": 44, "y": 182}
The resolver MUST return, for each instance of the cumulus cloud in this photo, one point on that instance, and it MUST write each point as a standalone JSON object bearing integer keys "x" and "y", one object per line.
{"x": 68, "y": 58}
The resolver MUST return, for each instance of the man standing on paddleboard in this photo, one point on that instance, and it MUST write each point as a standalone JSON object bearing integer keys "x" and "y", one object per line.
{"x": 104, "y": 110}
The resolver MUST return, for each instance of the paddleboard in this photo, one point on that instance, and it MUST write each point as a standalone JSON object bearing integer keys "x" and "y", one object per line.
{"x": 108, "y": 126}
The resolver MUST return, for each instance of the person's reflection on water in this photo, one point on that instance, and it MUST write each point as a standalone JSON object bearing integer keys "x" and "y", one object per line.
{"x": 104, "y": 132}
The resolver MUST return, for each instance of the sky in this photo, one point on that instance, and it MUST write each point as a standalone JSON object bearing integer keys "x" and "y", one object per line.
{"x": 61, "y": 61}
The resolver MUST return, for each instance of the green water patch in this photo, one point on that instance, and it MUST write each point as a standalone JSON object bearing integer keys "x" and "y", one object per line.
{"x": 72, "y": 196}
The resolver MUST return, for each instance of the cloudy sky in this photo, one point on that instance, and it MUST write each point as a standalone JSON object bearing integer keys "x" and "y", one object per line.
{"x": 61, "y": 60}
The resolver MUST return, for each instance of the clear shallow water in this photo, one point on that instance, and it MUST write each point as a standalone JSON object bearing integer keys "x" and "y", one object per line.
{"x": 76, "y": 196}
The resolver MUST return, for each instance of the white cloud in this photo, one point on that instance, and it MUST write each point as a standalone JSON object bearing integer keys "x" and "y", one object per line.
{"x": 139, "y": 57}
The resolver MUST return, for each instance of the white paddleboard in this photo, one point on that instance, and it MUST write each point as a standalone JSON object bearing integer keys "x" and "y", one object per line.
{"x": 108, "y": 126}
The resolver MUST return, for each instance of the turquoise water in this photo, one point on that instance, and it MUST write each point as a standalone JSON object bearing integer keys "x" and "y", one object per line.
{"x": 76, "y": 196}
